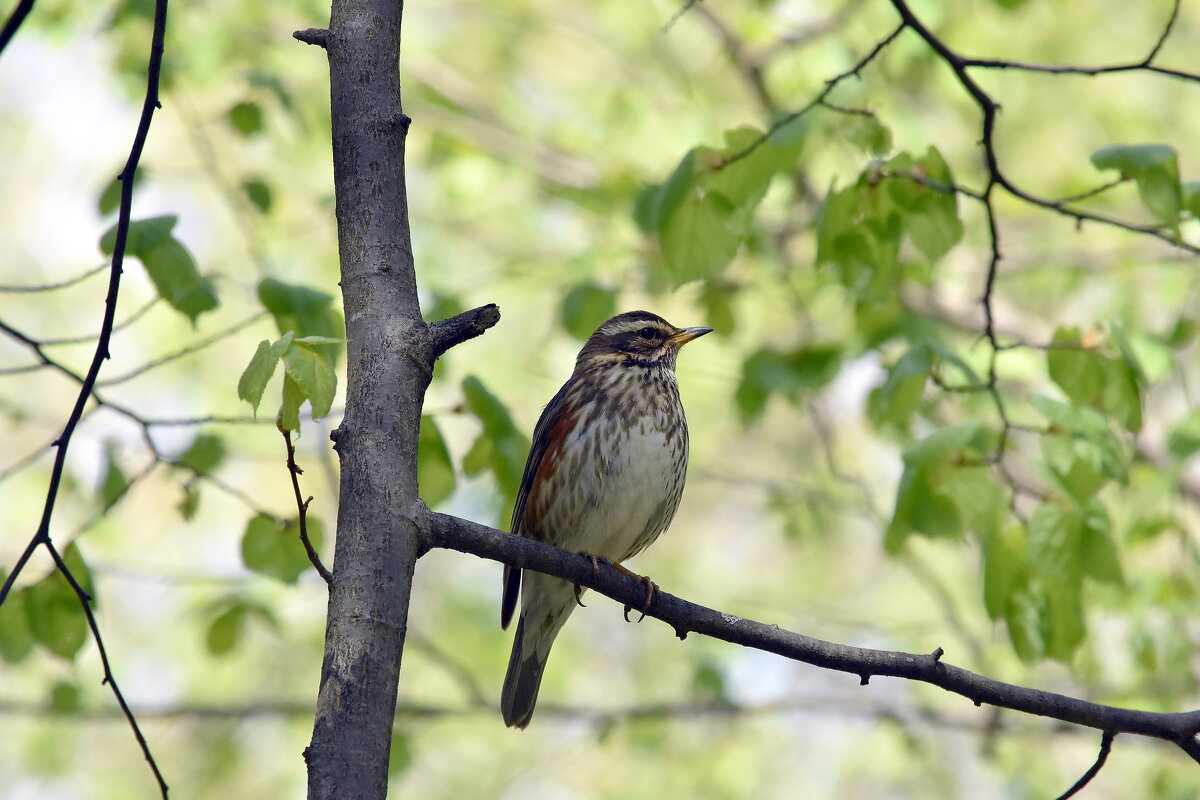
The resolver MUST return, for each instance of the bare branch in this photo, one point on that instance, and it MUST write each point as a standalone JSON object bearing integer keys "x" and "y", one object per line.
{"x": 302, "y": 508}
{"x": 85, "y": 602}
{"x": 441, "y": 530}
{"x": 13, "y": 23}
{"x": 449, "y": 332}
{"x": 1105, "y": 746}
{"x": 87, "y": 383}
{"x": 48, "y": 287}
{"x": 195, "y": 347}
{"x": 91, "y": 337}
{"x": 314, "y": 36}
{"x": 819, "y": 100}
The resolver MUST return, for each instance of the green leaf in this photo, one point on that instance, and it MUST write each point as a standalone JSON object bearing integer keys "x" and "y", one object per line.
{"x": 920, "y": 509}
{"x": 304, "y": 311}
{"x": 318, "y": 340}
{"x": 169, "y": 264}
{"x": 1054, "y": 538}
{"x": 16, "y": 637}
{"x": 1155, "y": 169}
{"x": 500, "y": 448}
{"x": 274, "y": 549}
{"x": 934, "y": 227}
{"x": 893, "y": 404}
{"x": 288, "y": 418}
{"x": 1067, "y": 543}
{"x": 55, "y": 616}
{"x": 225, "y": 630}
{"x": 743, "y": 168}
{"x": 190, "y": 503}
{"x": 939, "y": 447}
{"x": 1099, "y": 555}
{"x": 708, "y": 684}
{"x": 704, "y": 211}
{"x": 246, "y": 118}
{"x": 435, "y": 472}
{"x": 313, "y": 375}
{"x": 867, "y": 133}
{"x": 110, "y": 199}
{"x": 316, "y": 535}
{"x": 254, "y": 378}
{"x": 144, "y": 234}
{"x": 701, "y": 237}
{"x": 1091, "y": 378}
{"x": 400, "y": 757}
{"x": 943, "y": 490}
{"x": 768, "y": 371}
{"x": 113, "y": 484}
{"x": 717, "y": 298}
{"x": 64, "y": 697}
{"x": 1064, "y": 623}
{"x": 1184, "y": 439}
{"x": 1149, "y": 528}
{"x": 1191, "y": 198}
{"x": 1005, "y": 570}
{"x": 258, "y": 193}
{"x": 173, "y": 273}
{"x": 78, "y": 568}
{"x": 204, "y": 455}
{"x": 1025, "y": 628}
{"x": 585, "y": 307}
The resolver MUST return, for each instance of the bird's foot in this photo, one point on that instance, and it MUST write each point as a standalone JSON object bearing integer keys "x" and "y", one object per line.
{"x": 595, "y": 568}
{"x": 651, "y": 590}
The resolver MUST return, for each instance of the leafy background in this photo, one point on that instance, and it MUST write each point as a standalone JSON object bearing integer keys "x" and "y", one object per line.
{"x": 852, "y": 475}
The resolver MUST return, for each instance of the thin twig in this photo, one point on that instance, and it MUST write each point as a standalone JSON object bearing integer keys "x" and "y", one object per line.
{"x": 302, "y": 508}
{"x": 819, "y": 100}
{"x": 1105, "y": 746}
{"x": 48, "y": 287}
{"x": 186, "y": 351}
{"x": 87, "y": 384}
{"x": 13, "y": 23}
{"x": 91, "y": 337}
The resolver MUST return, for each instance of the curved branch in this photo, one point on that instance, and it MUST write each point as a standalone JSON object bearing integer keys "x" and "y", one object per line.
{"x": 444, "y": 531}
{"x": 1105, "y": 747}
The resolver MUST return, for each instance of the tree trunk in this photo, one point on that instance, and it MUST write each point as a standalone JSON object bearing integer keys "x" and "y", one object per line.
{"x": 389, "y": 365}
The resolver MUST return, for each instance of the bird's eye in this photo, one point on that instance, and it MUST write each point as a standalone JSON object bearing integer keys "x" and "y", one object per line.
{"x": 648, "y": 333}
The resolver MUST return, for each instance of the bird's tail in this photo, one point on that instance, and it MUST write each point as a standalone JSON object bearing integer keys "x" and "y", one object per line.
{"x": 522, "y": 681}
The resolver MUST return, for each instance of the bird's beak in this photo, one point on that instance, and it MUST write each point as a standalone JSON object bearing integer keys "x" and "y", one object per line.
{"x": 687, "y": 334}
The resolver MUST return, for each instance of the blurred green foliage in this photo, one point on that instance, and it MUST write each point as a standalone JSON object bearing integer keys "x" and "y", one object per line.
{"x": 871, "y": 462}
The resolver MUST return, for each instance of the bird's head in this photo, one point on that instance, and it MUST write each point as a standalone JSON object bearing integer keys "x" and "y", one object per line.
{"x": 636, "y": 339}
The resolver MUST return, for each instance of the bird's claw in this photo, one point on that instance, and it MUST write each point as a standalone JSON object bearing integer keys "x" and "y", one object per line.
{"x": 651, "y": 590}
{"x": 595, "y": 568}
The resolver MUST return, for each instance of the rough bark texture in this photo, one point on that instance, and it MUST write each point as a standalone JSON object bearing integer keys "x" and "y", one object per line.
{"x": 389, "y": 365}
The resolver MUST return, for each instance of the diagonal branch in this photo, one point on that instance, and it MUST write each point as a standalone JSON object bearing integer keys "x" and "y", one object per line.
{"x": 13, "y": 23}
{"x": 1105, "y": 747}
{"x": 441, "y": 530}
{"x": 87, "y": 384}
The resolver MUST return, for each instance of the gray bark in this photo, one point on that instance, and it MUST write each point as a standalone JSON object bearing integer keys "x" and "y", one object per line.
{"x": 389, "y": 365}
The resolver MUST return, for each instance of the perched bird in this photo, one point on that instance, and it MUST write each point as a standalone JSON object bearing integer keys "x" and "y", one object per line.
{"x": 604, "y": 477}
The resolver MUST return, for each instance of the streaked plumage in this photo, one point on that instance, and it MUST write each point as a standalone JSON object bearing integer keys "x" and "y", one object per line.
{"x": 604, "y": 476}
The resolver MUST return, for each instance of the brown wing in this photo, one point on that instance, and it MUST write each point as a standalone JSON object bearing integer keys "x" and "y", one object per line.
{"x": 552, "y": 428}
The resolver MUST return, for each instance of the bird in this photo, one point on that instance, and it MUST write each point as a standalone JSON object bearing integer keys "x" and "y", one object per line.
{"x": 604, "y": 477}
